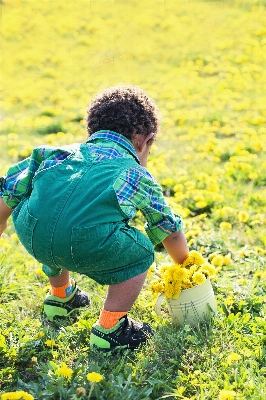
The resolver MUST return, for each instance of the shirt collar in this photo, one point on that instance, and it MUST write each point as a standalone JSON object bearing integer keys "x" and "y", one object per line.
{"x": 117, "y": 138}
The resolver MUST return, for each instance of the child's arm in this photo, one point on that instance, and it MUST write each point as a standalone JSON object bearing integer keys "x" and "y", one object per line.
{"x": 5, "y": 212}
{"x": 176, "y": 246}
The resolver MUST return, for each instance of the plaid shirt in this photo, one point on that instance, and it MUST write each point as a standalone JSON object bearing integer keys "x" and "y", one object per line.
{"x": 136, "y": 189}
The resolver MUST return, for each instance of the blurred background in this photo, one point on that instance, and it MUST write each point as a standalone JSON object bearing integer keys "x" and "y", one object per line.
{"x": 203, "y": 62}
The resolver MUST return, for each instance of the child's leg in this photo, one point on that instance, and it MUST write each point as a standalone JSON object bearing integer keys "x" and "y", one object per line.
{"x": 114, "y": 329}
{"x": 121, "y": 296}
{"x": 61, "y": 286}
{"x": 64, "y": 297}
{"x": 120, "y": 299}
{"x": 61, "y": 280}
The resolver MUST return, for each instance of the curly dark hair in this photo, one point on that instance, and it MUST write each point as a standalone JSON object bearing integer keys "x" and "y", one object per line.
{"x": 123, "y": 109}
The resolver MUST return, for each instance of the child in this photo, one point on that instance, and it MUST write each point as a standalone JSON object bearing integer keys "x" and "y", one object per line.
{"x": 71, "y": 208}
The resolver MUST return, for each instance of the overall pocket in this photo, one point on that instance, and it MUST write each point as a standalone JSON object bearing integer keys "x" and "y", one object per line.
{"x": 25, "y": 224}
{"x": 138, "y": 237}
{"x": 94, "y": 246}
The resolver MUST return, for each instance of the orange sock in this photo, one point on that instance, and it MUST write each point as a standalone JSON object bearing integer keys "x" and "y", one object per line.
{"x": 108, "y": 319}
{"x": 62, "y": 291}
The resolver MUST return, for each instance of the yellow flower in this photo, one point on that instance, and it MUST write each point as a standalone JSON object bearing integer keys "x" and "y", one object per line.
{"x": 193, "y": 258}
{"x": 176, "y": 289}
{"x": 20, "y": 395}
{"x": 218, "y": 260}
{"x": 163, "y": 270}
{"x": 172, "y": 288}
{"x": 198, "y": 278}
{"x": 233, "y": 357}
{"x": 197, "y": 257}
{"x": 64, "y": 371}
{"x": 157, "y": 287}
{"x": 50, "y": 343}
{"x": 201, "y": 204}
{"x": 260, "y": 274}
{"x": 253, "y": 175}
{"x": 226, "y": 226}
{"x": 260, "y": 250}
{"x": 227, "y": 259}
{"x": 192, "y": 270}
{"x": 187, "y": 284}
{"x": 243, "y": 216}
{"x": 229, "y": 301}
{"x": 179, "y": 274}
{"x": 175, "y": 278}
{"x": 227, "y": 394}
{"x": 207, "y": 270}
{"x": 94, "y": 377}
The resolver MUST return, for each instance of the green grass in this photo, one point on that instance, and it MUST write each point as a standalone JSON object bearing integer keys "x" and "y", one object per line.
{"x": 177, "y": 362}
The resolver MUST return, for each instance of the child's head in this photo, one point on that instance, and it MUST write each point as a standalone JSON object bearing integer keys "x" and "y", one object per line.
{"x": 123, "y": 109}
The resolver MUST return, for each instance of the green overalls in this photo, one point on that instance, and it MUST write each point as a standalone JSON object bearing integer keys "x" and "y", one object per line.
{"x": 72, "y": 220}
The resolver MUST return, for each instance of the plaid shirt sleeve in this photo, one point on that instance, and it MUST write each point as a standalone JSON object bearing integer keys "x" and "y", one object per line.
{"x": 137, "y": 190}
{"x": 17, "y": 183}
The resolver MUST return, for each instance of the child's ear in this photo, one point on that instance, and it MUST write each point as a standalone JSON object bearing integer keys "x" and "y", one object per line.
{"x": 141, "y": 140}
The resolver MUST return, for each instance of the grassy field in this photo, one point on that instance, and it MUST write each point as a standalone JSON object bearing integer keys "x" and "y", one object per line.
{"x": 203, "y": 62}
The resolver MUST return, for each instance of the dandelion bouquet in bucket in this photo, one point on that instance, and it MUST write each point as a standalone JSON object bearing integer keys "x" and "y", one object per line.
{"x": 187, "y": 289}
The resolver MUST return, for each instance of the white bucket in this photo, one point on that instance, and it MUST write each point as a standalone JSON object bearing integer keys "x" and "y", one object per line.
{"x": 191, "y": 306}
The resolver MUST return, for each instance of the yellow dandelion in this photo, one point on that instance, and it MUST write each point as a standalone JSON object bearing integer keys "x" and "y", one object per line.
{"x": 260, "y": 274}
{"x": 163, "y": 270}
{"x": 94, "y": 377}
{"x": 233, "y": 357}
{"x": 193, "y": 258}
{"x": 180, "y": 274}
{"x": 64, "y": 371}
{"x": 227, "y": 259}
{"x": 187, "y": 284}
{"x": 176, "y": 289}
{"x": 202, "y": 250}
{"x": 190, "y": 243}
{"x": 229, "y": 301}
{"x": 243, "y": 216}
{"x": 198, "y": 278}
{"x": 260, "y": 250}
{"x": 170, "y": 290}
{"x": 197, "y": 257}
{"x": 226, "y": 226}
{"x": 207, "y": 270}
{"x": 201, "y": 204}
{"x": 192, "y": 270}
{"x": 157, "y": 287}
{"x": 19, "y": 395}
{"x": 189, "y": 261}
{"x": 218, "y": 260}
{"x": 253, "y": 175}
{"x": 50, "y": 343}
{"x": 227, "y": 394}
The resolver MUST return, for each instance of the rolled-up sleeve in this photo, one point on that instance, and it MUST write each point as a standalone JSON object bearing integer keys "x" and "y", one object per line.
{"x": 17, "y": 183}
{"x": 136, "y": 190}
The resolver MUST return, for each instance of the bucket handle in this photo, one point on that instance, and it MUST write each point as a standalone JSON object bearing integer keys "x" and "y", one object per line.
{"x": 158, "y": 305}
